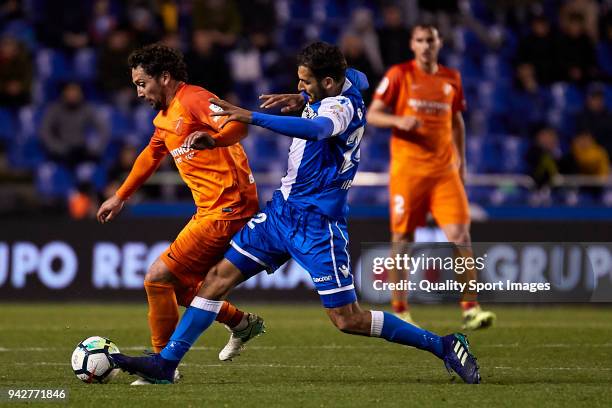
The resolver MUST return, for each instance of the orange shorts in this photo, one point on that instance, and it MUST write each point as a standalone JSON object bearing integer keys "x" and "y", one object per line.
{"x": 413, "y": 196}
{"x": 199, "y": 246}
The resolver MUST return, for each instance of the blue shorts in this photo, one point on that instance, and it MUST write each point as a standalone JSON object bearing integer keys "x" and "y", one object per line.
{"x": 318, "y": 243}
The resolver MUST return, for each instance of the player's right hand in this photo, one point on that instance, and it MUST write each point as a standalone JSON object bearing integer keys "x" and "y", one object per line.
{"x": 109, "y": 209}
{"x": 200, "y": 141}
{"x": 407, "y": 123}
{"x": 288, "y": 102}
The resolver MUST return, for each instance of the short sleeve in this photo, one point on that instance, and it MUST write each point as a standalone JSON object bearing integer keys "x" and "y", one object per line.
{"x": 459, "y": 103}
{"x": 389, "y": 86}
{"x": 340, "y": 110}
{"x": 200, "y": 108}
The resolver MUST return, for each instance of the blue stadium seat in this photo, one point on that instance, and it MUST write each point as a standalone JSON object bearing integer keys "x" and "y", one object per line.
{"x": 26, "y": 154}
{"x": 567, "y": 97}
{"x": 120, "y": 123}
{"x": 85, "y": 64}
{"x": 53, "y": 181}
{"x": 8, "y": 124}
{"x": 514, "y": 149}
{"x": 52, "y": 64}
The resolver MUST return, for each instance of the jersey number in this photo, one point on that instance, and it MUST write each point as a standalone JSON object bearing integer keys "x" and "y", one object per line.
{"x": 398, "y": 205}
{"x": 258, "y": 219}
{"x": 355, "y": 138}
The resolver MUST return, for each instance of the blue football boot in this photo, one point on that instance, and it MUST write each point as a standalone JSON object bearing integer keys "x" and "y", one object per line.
{"x": 458, "y": 358}
{"x": 153, "y": 368}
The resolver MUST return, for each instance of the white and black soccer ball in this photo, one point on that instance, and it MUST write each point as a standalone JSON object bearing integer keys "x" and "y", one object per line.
{"x": 91, "y": 362}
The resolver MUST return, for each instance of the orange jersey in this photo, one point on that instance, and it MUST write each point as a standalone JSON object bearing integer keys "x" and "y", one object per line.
{"x": 220, "y": 179}
{"x": 432, "y": 99}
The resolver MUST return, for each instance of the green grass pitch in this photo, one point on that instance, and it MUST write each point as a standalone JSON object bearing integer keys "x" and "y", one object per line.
{"x": 546, "y": 356}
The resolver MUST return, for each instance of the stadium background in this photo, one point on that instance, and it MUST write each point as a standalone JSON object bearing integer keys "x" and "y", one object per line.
{"x": 526, "y": 66}
{"x": 539, "y": 131}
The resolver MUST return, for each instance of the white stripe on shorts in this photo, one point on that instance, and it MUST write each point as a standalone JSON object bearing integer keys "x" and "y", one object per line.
{"x": 249, "y": 255}
{"x": 333, "y": 256}
{"x": 332, "y": 291}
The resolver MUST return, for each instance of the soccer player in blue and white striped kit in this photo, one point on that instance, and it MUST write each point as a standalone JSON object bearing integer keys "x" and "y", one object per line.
{"x": 305, "y": 220}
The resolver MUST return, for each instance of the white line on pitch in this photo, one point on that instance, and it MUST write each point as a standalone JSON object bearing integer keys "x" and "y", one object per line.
{"x": 327, "y": 366}
{"x": 329, "y": 347}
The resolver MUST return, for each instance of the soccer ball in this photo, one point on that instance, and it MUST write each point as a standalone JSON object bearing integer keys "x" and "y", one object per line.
{"x": 91, "y": 362}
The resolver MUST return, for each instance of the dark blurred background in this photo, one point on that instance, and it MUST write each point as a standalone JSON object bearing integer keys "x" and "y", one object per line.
{"x": 536, "y": 76}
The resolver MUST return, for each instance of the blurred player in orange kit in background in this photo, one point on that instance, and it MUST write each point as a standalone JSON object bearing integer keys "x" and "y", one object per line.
{"x": 220, "y": 180}
{"x": 422, "y": 102}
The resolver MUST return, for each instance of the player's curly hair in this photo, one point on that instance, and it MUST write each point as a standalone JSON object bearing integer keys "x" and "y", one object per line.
{"x": 324, "y": 60}
{"x": 157, "y": 58}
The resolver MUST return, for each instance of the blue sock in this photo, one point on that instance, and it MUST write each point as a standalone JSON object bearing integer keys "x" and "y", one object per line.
{"x": 196, "y": 319}
{"x": 398, "y": 331}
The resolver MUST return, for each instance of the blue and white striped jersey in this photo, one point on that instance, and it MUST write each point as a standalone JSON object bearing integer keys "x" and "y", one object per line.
{"x": 320, "y": 172}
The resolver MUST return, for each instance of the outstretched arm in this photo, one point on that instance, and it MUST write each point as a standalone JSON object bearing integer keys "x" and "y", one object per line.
{"x": 147, "y": 162}
{"x": 230, "y": 134}
{"x": 309, "y": 129}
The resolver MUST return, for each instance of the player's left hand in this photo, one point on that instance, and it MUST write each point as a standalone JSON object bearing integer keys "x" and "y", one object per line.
{"x": 199, "y": 141}
{"x": 232, "y": 112}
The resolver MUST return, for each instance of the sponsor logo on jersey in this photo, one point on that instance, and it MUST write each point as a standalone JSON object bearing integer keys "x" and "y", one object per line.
{"x": 320, "y": 279}
{"x": 430, "y": 107}
{"x": 216, "y": 109}
{"x": 182, "y": 153}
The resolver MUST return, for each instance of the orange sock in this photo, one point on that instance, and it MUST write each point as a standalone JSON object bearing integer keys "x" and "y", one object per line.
{"x": 230, "y": 314}
{"x": 467, "y": 305}
{"x": 163, "y": 313}
{"x": 184, "y": 295}
{"x": 399, "y": 306}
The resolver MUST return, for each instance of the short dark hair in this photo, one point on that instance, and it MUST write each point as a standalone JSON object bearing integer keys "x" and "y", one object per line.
{"x": 324, "y": 60}
{"x": 157, "y": 58}
{"x": 424, "y": 26}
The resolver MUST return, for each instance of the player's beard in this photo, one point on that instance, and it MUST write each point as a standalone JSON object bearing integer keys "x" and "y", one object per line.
{"x": 157, "y": 105}
{"x": 317, "y": 93}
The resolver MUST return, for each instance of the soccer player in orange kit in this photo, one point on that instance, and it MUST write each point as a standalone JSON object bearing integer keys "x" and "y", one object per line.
{"x": 220, "y": 180}
{"x": 422, "y": 102}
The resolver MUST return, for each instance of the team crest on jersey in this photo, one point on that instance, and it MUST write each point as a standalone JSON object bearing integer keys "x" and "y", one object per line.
{"x": 179, "y": 125}
{"x": 447, "y": 88}
{"x": 309, "y": 113}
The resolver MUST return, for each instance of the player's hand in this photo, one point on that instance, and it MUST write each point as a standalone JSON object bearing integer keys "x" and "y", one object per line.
{"x": 232, "y": 112}
{"x": 287, "y": 102}
{"x": 407, "y": 123}
{"x": 200, "y": 141}
{"x": 109, "y": 209}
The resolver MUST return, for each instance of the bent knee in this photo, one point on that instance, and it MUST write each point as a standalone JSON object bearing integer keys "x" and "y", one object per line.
{"x": 158, "y": 272}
